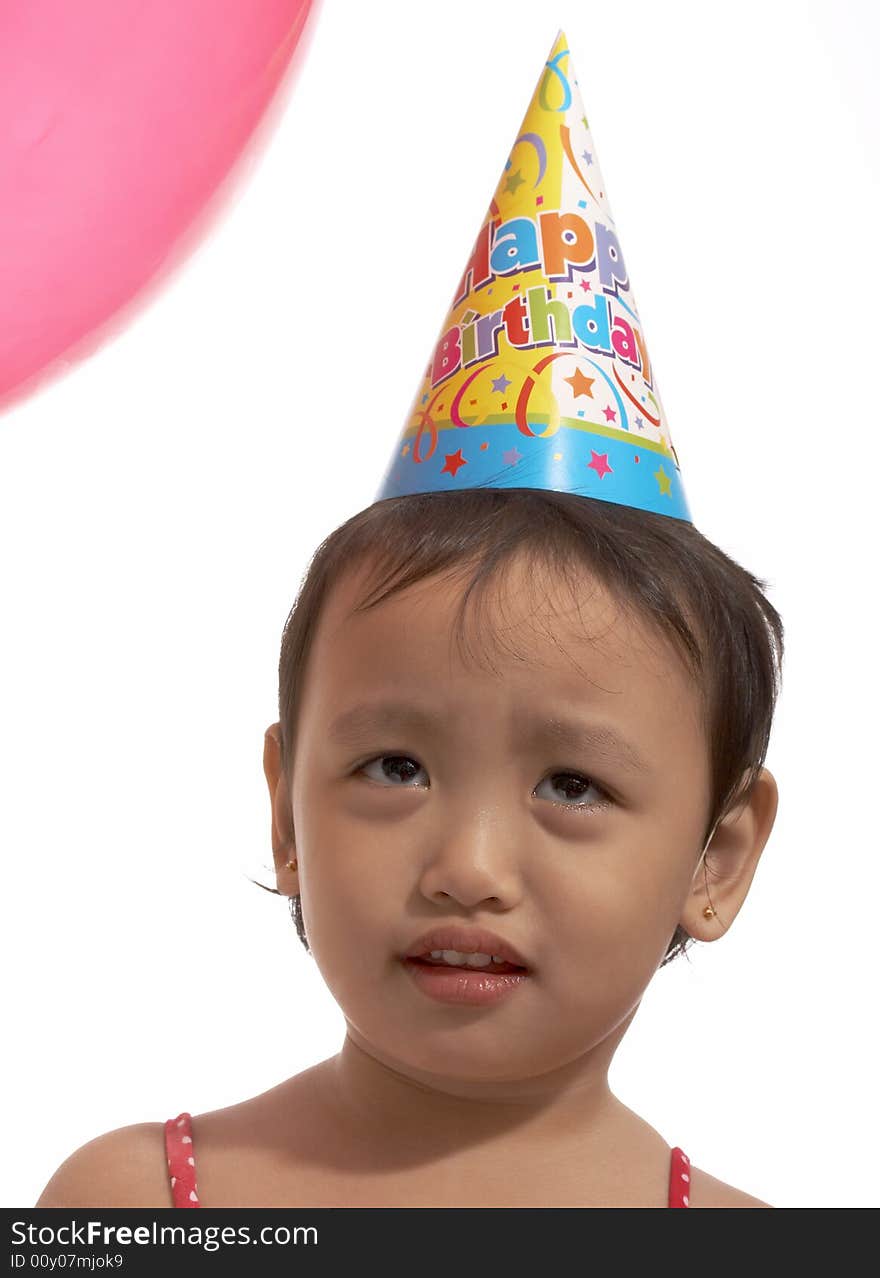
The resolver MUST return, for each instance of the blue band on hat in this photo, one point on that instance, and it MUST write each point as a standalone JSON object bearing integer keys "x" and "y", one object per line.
{"x": 608, "y": 467}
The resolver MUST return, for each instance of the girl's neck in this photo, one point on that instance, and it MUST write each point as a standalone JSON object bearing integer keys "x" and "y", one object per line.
{"x": 412, "y": 1113}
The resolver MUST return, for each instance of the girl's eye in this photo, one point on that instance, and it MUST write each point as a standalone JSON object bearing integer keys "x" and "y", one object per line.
{"x": 394, "y": 767}
{"x": 400, "y": 768}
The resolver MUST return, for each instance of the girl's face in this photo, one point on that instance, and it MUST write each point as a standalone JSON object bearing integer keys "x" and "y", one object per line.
{"x": 581, "y": 855}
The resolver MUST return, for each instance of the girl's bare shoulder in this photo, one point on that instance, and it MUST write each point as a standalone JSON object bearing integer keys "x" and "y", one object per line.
{"x": 125, "y": 1167}
{"x": 708, "y": 1191}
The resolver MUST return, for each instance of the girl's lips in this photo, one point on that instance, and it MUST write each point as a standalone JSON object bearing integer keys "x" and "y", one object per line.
{"x": 470, "y": 986}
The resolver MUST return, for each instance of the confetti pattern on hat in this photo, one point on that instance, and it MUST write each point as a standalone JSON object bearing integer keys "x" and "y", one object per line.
{"x": 541, "y": 376}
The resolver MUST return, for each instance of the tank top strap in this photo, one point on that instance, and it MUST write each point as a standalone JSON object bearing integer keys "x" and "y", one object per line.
{"x": 679, "y": 1179}
{"x": 180, "y": 1157}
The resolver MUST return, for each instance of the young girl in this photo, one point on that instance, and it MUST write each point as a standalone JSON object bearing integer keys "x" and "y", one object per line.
{"x": 524, "y": 707}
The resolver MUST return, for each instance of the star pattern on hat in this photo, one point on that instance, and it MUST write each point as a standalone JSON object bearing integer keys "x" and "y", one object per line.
{"x": 453, "y": 463}
{"x": 599, "y": 463}
{"x": 663, "y": 481}
{"x": 580, "y": 385}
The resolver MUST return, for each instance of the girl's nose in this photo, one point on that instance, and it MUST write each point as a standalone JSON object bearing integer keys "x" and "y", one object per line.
{"x": 475, "y": 857}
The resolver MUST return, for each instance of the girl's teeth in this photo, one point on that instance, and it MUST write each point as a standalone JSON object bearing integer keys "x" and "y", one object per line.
{"x": 465, "y": 960}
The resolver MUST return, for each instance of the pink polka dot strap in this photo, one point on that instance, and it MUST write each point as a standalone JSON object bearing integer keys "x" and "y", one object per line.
{"x": 181, "y": 1160}
{"x": 679, "y": 1179}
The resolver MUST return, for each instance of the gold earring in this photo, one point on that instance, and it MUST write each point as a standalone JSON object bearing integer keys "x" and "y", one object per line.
{"x": 708, "y": 912}
{"x": 291, "y": 865}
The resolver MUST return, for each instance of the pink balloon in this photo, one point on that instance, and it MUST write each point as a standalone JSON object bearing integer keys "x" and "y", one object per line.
{"x": 119, "y": 121}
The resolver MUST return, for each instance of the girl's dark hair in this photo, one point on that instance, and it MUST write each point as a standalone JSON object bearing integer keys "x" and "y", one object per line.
{"x": 657, "y": 568}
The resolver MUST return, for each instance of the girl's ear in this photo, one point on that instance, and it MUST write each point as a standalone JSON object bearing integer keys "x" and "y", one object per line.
{"x": 723, "y": 877}
{"x": 283, "y": 842}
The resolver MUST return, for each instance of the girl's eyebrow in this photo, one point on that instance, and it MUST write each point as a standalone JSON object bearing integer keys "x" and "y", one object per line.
{"x": 557, "y": 730}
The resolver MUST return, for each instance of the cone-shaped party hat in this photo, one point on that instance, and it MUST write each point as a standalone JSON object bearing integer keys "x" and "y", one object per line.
{"x": 540, "y": 377}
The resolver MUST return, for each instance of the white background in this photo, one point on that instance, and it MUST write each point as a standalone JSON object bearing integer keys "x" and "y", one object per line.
{"x": 159, "y": 504}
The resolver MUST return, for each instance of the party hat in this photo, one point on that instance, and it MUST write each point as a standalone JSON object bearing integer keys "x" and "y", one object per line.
{"x": 541, "y": 377}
